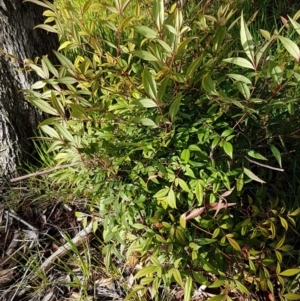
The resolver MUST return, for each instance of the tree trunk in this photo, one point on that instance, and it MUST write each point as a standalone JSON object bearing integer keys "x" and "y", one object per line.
{"x": 18, "y": 119}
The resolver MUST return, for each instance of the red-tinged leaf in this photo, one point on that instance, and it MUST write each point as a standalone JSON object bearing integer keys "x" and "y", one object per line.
{"x": 227, "y": 193}
{"x": 195, "y": 213}
{"x": 219, "y": 206}
{"x": 214, "y": 205}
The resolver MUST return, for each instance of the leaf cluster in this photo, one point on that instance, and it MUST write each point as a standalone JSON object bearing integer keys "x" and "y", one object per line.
{"x": 179, "y": 130}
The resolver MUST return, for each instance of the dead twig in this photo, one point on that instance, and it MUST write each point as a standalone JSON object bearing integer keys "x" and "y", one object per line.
{"x": 61, "y": 251}
{"x": 40, "y": 173}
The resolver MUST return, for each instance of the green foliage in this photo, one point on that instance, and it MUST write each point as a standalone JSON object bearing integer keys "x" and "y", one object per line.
{"x": 177, "y": 133}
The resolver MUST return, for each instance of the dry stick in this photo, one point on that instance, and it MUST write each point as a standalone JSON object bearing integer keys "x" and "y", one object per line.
{"x": 264, "y": 165}
{"x": 39, "y": 173}
{"x": 61, "y": 251}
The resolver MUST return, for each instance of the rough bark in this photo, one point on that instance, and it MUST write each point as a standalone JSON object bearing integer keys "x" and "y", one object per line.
{"x": 18, "y": 119}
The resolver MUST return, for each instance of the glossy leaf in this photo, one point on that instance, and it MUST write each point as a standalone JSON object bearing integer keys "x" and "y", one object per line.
{"x": 247, "y": 41}
{"x": 145, "y": 55}
{"x": 291, "y": 47}
{"x": 171, "y": 198}
{"x": 227, "y": 146}
{"x": 292, "y": 296}
{"x": 188, "y": 289}
{"x": 252, "y": 176}
{"x": 147, "y": 103}
{"x": 290, "y": 272}
{"x": 217, "y": 298}
{"x": 240, "y": 62}
{"x": 276, "y": 154}
{"x": 149, "y": 84}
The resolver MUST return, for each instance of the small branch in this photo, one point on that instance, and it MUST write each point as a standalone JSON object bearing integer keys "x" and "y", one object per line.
{"x": 39, "y": 173}
{"x": 61, "y": 251}
{"x": 15, "y": 216}
{"x": 264, "y": 165}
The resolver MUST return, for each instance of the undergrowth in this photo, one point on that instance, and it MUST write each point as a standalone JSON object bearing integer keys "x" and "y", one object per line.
{"x": 174, "y": 143}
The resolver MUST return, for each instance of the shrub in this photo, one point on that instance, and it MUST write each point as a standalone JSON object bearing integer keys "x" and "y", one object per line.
{"x": 176, "y": 133}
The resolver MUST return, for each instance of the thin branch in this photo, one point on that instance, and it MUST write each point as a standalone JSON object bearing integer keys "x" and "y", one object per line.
{"x": 15, "y": 216}
{"x": 61, "y": 251}
{"x": 39, "y": 173}
{"x": 264, "y": 165}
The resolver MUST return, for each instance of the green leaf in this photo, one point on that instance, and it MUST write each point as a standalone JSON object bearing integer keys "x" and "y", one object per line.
{"x": 199, "y": 192}
{"x": 290, "y": 272}
{"x": 281, "y": 242}
{"x": 276, "y": 154}
{"x": 247, "y": 40}
{"x": 194, "y": 66}
{"x": 265, "y": 34}
{"x": 147, "y": 103}
{"x": 242, "y": 288}
{"x": 185, "y": 155}
{"x": 200, "y": 278}
{"x": 159, "y": 12}
{"x": 145, "y": 55}
{"x": 244, "y": 89}
{"x": 146, "y": 271}
{"x": 291, "y": 47}
{"x": 177, "y": 276}
{"x": 208, "y": 85}
{"x": 252, "y": 176}
{"x": 51, "y": 132}
{"x": 64, "y": 133}
{"x": 171, "y": 198}
{"x": 240, "y": 62}
{"x": 240, "y": 78}
{"x": 284, "y": 223}
{"x": 161, "y": 193}
{"x": 147, "y": 122}
{"x": 149, "y": 84}
{"x": 40, "y": 3}
{"x": 256, "y": 155}
{"x": 183, "y": 185}
{"x": 51, "y": 68}
{"x": 295, "y": 24}
{"x": 146, "y": 31}
{"x": 295, "y": 213}
{"x": 217, "y": 298}
{"x": 38, "y": 85}
{"x": 292, "y": 296}
{"x": 182, "y": 220}
{"x": 227, "y": 146}
{"x": 175, "y": 107}
{"x": 67, "y": 80}
{"x": 43, "y": 106}
{"x": 188, "y": 289}
{"x": 65, "y": 44}
{"x": 39, "y": 71}
{"x": 47, "y": 28}
{"x": 234, "y": 243}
